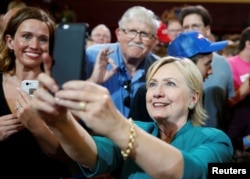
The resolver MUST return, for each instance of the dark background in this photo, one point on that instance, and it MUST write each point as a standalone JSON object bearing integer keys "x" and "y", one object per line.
{"x": 228, "y": 18}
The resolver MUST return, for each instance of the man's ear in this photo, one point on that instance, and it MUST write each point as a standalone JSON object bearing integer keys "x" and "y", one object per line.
{"x": 208, "y": 30}
{"x": 118, "y": 34}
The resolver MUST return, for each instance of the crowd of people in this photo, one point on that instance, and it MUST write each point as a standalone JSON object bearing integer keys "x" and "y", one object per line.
{"x": 186, "y": 106}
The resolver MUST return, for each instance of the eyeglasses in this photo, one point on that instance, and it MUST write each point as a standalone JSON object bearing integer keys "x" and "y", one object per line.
{"x": 193, "y": 27}
{"x": 127, "y": 86}
{"x": 101, "y": 36}
{"x": 132, "y": 33}
{"x": 174, "y": 30}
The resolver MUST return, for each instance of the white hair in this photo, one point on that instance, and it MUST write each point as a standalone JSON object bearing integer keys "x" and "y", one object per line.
{"x": 139, "y": 13}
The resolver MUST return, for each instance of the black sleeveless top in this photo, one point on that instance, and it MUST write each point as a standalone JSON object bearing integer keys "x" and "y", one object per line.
{"x": 21, "y": 156}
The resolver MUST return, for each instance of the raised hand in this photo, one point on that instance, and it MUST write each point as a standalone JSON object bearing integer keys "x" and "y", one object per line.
{"x": 47, "y": 63}
{"x": 100, "y": 73}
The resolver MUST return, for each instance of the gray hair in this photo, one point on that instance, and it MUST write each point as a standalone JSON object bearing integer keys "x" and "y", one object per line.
{"x": 139, "y": 13}
{"x": 103, "y": 26}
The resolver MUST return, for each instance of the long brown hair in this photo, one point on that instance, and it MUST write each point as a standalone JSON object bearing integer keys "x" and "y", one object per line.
{"x": 7, "y": 57}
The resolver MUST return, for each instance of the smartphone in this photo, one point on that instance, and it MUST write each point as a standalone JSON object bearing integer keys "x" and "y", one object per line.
{"x": 69, "y": 52}
{"x": 29, "y": 86}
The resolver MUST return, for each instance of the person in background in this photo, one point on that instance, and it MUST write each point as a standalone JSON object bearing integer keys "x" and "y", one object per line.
{"x": 174, "y": 28}
{"x": 5, "y": 18}
{"x": 230, "y": 50}
{"x": 192, "y": 45}
{"x": 203, "y": 61}
{"x": 68, "y": 14}
{"x": 8, "y": 15}
{"x": 239, "y": 131}
{"x": 101, "y": 34}
{"x": 121, "y": 66}
{"x": 239, "y": 127}
{"x": 26, "y": 142}
{"x": 240, "y": 63}
{"x": 160, "y": 47}
{"x": 165, "y": 34}
{"x": 219, "y": 91}
{"x": 16, "y": 3}
{"x": 181, "y": 147}
{"x": 198, "y": 48}
{"x": 218, "y": 88}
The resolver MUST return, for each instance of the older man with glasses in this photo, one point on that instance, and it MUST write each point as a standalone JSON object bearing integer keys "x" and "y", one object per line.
{"x": 121, "y": 66}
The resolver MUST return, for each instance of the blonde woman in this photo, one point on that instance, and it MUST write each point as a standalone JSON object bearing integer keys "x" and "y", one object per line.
{"x": 174, "y": 145}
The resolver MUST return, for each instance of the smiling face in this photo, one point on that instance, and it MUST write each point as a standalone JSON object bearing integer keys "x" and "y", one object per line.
{"x": 30, "y": 43}
{"x": 137, "y": 47}
{"x": 168, "y": 95}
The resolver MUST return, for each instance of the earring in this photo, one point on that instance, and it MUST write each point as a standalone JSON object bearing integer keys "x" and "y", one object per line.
{"x": 191, "y": 106}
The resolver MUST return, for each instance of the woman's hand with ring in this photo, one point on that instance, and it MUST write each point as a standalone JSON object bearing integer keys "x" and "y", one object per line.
{"x": 91, "y": 103}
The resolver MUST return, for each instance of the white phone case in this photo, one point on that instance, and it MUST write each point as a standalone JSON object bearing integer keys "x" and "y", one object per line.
{"x": 29, "y": 86}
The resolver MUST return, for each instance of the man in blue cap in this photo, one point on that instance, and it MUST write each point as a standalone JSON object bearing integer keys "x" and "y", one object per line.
{"x": 196, "y": 47}
{"x": 218, "y": 88}
{"x": 192, "y": 45}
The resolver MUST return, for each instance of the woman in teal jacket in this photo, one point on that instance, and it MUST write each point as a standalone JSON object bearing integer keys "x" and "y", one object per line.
{"x": 174, "y": 145}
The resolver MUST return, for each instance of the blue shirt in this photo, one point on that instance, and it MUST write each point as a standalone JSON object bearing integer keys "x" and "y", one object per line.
{"x": 221, "y": 76}
{"x": 121, "y": 85}
{"x": 199, "y": 146}
{"x": 218, "y": 88}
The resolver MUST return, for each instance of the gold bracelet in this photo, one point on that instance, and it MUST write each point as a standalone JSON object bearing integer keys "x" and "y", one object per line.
{"x": 125, "y": 153}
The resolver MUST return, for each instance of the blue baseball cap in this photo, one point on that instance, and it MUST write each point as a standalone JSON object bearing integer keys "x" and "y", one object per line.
{"x": 188, "y": 44}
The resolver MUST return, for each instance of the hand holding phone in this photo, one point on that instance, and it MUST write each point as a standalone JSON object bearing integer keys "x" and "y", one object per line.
{"x": 69, "y": 52}
{"x": 29, "y": 86}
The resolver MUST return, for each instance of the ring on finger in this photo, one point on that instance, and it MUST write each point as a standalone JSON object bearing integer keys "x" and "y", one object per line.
{"x": 83, "y": 105}
{"x": 17, "y": 107}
